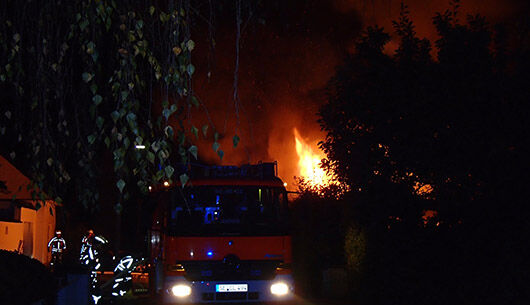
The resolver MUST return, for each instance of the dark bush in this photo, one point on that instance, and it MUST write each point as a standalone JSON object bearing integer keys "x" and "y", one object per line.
{"x": 318, "y": 239}
{"x": 24, "y": 280}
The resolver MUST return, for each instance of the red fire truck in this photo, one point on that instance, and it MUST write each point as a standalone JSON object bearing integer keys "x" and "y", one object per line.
{"x": 223, "y": 237}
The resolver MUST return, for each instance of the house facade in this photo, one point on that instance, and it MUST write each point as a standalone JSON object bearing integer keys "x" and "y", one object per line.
{"x": 26, "y": 224}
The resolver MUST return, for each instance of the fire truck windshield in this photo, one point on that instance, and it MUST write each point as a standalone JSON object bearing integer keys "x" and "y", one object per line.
{"x": 227, "y": 210}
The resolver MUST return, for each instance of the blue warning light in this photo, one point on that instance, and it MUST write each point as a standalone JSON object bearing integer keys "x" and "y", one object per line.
{"x": 209, "y": 253}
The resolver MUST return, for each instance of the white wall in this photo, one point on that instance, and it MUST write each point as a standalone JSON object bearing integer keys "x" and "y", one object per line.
{"x": 44, "y": 231}
{"x": 43, "y": 227}
{"x": 11, "y": 233}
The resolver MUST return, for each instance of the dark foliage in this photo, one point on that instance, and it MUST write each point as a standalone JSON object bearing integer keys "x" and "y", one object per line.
{"x": 24, "y": 280}
{"x": 453, "y": 118}
{"x": 318, "y": 236}
{"x": 82, "y": 83}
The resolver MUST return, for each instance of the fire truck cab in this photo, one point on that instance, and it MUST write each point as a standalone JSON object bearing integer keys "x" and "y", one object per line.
{"x": 223, "y": 237}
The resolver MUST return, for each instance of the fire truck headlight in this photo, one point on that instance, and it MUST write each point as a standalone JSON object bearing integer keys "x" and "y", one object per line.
{"x": 181, "y": 290}
{"x": 279, "y": 289}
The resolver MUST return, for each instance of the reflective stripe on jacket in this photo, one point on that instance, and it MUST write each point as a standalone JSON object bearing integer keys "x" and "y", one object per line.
{"x": 58, "y": 244}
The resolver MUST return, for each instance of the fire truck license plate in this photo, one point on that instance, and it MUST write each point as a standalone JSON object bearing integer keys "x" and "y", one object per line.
{"x": 231, "y": 287}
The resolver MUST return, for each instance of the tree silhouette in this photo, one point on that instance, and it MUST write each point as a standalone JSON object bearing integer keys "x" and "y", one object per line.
{"x": 442, "y": 128}
{"x": 411, "y": 118}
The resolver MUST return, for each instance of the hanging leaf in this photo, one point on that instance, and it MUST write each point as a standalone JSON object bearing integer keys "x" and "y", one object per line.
{"x": 93, "y": 89}
{"x": 235, "y": 140}
{"x": 195, "y": 131}
{"x": 181, "y": 137}
{"x": 151, "y": 157}
{"x": 131, "y": 119}
{"x": 169, "y": 170}
{"x": 184, "y": 179}
{"x": 173, "y": 108}
{"x": 91, "y": 139}
{"x": 159, "y": 175}
{"x": 141, "y": 184}
{"x": 83, "y": 24}
{"x": 124, "y": 95}
{"x": 139, "y": 24}
{"x": 191, "y": 45}
{"x": 204, "y": 130}
{"x": 221, "y": 154}
{"x": 169, "y": 131}
{"x": 118, "y": 208}
{"x": 126, "y": 143}
{"x": 190, "y": 69}
{"x": 195, "y": 101}
{"x": 193, "y": 150}
{"x": 166, "y": 113}
{"x": 90, "y": 48}
{"x": 120, "y": 184}
{"x": 115, "y": 115}
{"x": 177, "y": 50}
{"x": 99, "y": 122}
{"x": 87, "y": 77}
{"x": 164, "y": 17}
{"x": 215, "y": 146}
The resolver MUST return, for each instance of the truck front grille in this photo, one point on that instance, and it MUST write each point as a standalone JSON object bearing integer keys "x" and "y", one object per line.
{"x": 226, "y": 296}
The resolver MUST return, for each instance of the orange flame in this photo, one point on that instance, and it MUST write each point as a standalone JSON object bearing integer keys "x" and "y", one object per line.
{"x": 309, "y": 163}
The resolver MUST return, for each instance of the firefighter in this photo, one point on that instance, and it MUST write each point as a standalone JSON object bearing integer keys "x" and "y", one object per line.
{"x": 89, "y": 247}
{"x": 122, "y": 276}
{"x": 89, "y": 256}
{"x": 57, "y": 245}
{"x": 86, "y": 242}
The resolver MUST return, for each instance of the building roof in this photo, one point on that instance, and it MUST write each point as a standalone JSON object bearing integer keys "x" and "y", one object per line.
{"x": 16, "y": 184}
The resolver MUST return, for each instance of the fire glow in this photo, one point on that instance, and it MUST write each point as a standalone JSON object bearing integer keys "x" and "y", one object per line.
{"x": 309, "y": 163}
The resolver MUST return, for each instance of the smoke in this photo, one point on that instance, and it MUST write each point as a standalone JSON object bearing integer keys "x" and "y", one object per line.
{"x": 289, "y": 51}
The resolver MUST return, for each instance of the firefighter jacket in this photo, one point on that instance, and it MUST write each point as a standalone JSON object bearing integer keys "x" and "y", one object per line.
{"x": 57, "y": 244}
